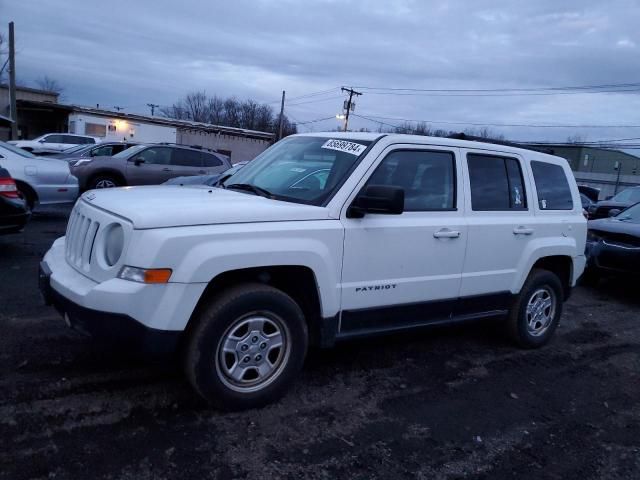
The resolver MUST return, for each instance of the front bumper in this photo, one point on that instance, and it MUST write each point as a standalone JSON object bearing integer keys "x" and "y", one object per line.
{"x": 612, "y": 257}
{"x": 106, "y": 326}
{"x": 150, "y": 317}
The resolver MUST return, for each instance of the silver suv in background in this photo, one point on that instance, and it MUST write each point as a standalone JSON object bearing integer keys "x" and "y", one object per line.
{"x": 147, "y": 164}
{"x": 53, "y": 142}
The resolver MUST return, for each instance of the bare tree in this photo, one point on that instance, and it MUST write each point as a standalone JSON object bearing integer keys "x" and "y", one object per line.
{"x": 49, "y": 84}
{"x": 231, "y": 112}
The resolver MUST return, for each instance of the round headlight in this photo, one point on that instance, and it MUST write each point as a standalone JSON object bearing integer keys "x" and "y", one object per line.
{"x": 114, "y": 244}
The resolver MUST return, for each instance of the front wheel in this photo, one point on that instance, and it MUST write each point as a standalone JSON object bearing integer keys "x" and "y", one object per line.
{"x": 535, "y": 313}
{"x": 246, "y": 347}
{"x": 104, "y": 181}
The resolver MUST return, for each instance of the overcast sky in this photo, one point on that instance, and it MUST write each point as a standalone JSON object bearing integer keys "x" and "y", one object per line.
{"x": 129, "y": 53}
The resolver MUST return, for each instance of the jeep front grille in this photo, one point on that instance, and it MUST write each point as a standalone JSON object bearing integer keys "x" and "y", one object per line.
{"x": 81, "y": 234}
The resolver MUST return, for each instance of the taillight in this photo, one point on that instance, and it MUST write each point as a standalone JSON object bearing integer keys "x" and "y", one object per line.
{"x": 8, "y": 188}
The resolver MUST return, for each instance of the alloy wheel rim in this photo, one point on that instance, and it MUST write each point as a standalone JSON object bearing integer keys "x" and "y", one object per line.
{"x": 541, "y": 310}
{"x": 253, "y": 352}
{"x": 105, "y": 184}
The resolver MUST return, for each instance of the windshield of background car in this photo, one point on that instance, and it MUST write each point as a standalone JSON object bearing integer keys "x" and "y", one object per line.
{"x": 630, "y": 195}
{"x": 17, "y": 151}
{"x": 631, "y": 214}
{"x": 77, "y": 149}
{"x": 129, "y": 151}
{"x": 302, "y": 169}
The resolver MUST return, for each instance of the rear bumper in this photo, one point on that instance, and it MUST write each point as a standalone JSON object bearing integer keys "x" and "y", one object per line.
{"x": 109, "y": 327}
{"x": 13, "y": 223}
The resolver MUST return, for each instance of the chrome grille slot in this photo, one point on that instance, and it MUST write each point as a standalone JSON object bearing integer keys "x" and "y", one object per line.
{"x": 81, "y": 235}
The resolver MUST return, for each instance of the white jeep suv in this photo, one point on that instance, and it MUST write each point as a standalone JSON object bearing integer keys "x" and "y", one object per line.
{"x": 323, "y": 237}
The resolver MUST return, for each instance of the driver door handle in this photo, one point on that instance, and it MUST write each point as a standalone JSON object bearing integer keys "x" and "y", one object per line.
{"x": 521, "y": 230}
{"x": 167, "y": 170}
{"x": 446, "y": 233}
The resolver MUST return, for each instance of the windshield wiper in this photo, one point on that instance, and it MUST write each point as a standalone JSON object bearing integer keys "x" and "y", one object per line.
{"x": 251, "y": 188}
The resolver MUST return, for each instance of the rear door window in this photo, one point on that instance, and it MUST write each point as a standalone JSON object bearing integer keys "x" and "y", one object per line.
{"x": 552, "y": 186}
{"x": 211, "y": 160}
{"x": 186, "y": 158}
{"x": 496, "y": 183}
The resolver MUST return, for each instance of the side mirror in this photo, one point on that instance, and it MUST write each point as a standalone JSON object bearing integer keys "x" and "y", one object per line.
{"x": 138, "y": 161}
{"x": 377, "y": 199}
{"x": 614, "y": 212}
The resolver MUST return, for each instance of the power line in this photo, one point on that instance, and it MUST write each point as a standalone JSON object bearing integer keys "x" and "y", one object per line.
{"x": 308, "y": 95}
{"x": 505, "y": 92}
{"x": 314, "y": 101}
{"x": 491, "y": 124}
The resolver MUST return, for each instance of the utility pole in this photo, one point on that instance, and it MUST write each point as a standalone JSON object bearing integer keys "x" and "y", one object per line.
{"x": 349, "y": 106}
{"x": 153, "y": 107}
{"x": 12, "y": 83}
{"x": 281, "y": 117}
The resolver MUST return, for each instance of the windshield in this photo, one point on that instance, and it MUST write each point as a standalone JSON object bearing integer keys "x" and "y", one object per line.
{"x": 16, "y": 150}
{"x": 129, "y": 151}
{"x": 630, "y": 195}
{"x": 78, "y": 149}
{"x": 302, "y": 169}
{"x": 631, "y": 214}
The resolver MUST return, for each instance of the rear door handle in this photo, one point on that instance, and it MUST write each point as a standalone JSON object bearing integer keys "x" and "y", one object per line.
{"x": 167, "y": 170}
{"x": 522, "y": 230}
{"x": 446, "y": 233}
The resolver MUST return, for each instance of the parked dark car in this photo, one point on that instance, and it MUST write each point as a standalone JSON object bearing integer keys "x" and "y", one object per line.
{"x": 592, "y": 193}
{"x": 14, "y": 212}
{"x": 622, "y": 200}
{"x": 613, "y": 244}
{"x": 147, "y": 164}
{"x": 210, "y": 180}
{"x": 106, "y": 149}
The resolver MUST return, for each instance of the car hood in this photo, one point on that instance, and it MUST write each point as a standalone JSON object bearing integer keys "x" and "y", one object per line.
{"x": 178, "y": 206}
{"x": 193, "y": 180}
{"x": 615, "y": 226}
{"x": 611, "y": 204}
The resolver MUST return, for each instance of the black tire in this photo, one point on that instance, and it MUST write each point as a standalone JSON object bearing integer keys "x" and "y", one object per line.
{"x": 523, "y": 332}
{"x": 103, "y": 181}
{"x": 28, "y": 195}
{"x": 207, "y": 363}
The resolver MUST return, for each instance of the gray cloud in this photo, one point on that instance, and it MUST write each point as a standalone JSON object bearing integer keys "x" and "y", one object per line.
{"x": 131, "y": 53}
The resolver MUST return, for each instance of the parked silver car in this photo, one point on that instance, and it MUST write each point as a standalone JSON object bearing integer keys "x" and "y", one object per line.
{"x": 42, "y": 180}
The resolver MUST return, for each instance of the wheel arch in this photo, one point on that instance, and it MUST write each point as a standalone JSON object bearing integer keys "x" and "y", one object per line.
{"x": 297, "y": 281}
{"x": 22, "y": 185}
{"x": 106, "y": 172}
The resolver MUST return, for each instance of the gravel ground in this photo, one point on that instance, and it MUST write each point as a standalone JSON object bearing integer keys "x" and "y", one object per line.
{"x": 444, "y": 403}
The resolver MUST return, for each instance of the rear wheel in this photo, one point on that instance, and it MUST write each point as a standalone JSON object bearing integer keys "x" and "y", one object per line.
{"x": 535, "y": 314}
{"x": 104, "y": 181}
{"x": 28, "y": 195}
{"x": 246, "y": 347}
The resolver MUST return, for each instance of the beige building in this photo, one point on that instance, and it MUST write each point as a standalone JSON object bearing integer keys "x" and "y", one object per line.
{"x": 22, "y": 93}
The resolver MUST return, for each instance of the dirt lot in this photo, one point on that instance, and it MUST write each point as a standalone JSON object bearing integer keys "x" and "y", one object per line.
{"x": 445, "y": 403}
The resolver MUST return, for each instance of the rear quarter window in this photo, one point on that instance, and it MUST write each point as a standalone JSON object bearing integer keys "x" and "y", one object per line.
{"x": 552, "y": 186}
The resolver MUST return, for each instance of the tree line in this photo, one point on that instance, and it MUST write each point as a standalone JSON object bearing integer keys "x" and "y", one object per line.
{"x": 230, "y": 112}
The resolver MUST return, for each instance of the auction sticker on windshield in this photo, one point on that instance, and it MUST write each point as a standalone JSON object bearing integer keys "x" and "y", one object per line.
{"x": 347, "y": 147}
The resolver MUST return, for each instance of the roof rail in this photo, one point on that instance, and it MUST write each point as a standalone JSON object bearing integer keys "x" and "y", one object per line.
{"x": 197, "y": 147}
{"x": 473, "y": 138}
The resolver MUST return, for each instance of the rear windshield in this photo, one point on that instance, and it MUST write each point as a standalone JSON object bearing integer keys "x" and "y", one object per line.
{"x": 16, "y": 150}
